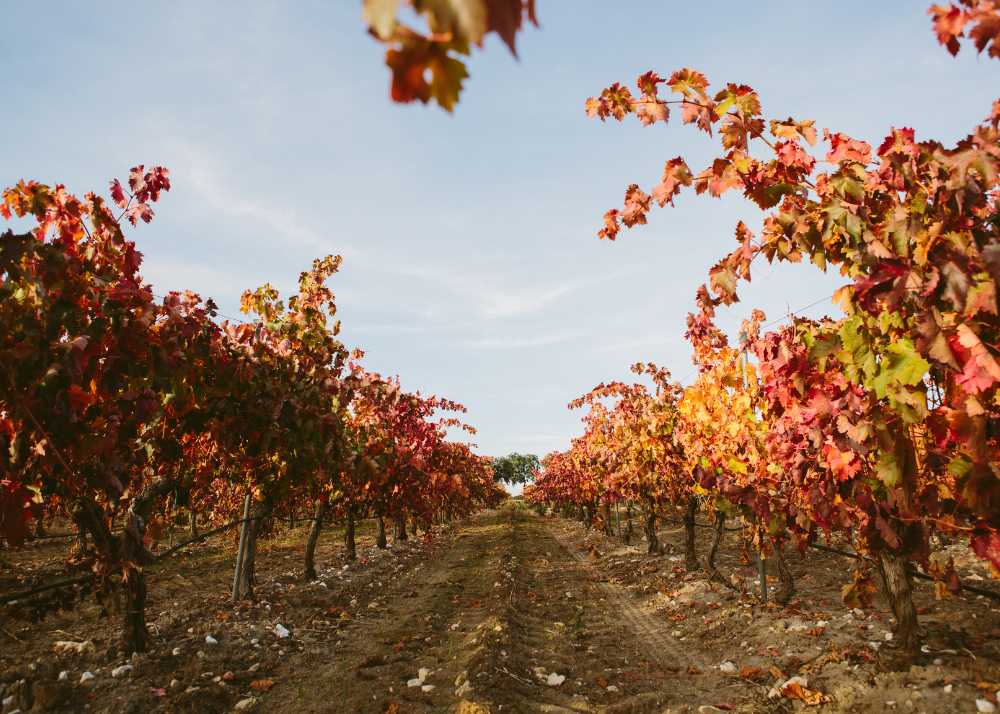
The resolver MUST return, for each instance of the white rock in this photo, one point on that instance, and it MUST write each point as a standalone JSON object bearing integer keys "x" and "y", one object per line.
{"x": 427, "y": 688}
{"x": 119, "y": 671}
{"x": 612, "y": 688}
{"x": 176, "y": 651}
{"x": 464, "y": 690}
{"x": 254, "y": 667}
{"x": 87, "y": 677}
{"x": 7, "y": 701}
{"x": 888, "y": 637}
{"x": 423, "y": 673}
{"x": 174, "y": 683}
{"x": 281, "y": 631}
{"x": 67, "y": 647}
{"x": 64, "y": 676}
{"x": 728, "y": 667}
{"x": 415, "y": 682}
{"x": 554, "y": 680}
{"x": 209, "y": 640}
{"x": 948, "y": 688}
{"x": 985, "y": 706}
{"x": 245, "y": 704}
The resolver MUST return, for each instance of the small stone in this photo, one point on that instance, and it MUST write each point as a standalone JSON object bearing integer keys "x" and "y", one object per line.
{"x": 985, "y": 706}
{"x": 209, "y": 640}
{"x": 612, "y": 688}
{"x": 427, "y": 688}
{"x": 554, "y": 680}
{"x": 254, "y": 667}
{"x": 414, "y": 682}
{"x": 948, "y": 688}
{"x": 174, "y": 683}
{"x": 87, "y": 677}
{"x": 423, "y": 673}
{"x": 64, "y": 676}
{"x": 281, "y": 631}
{"x": 728, "y": 667}
{"x": 245, "y": 704}
{"x": 176, "y": 651}
{"x": 121, "y": 670}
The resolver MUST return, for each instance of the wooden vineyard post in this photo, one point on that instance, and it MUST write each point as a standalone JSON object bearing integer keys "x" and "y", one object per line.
{"x": 762, "y": 572}
{"x": 242, "y": 548}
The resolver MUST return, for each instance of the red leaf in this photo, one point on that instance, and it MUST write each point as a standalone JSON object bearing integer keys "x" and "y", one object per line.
{"x": 118, "y": 194}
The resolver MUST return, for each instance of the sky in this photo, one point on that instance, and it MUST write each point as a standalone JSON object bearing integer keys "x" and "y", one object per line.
{"x": 471, "y": 263}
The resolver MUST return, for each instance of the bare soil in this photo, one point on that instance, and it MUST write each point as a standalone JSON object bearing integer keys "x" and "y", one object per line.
{"x": 508, "y": 611}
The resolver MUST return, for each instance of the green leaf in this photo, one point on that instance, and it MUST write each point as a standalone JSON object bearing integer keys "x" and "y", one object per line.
{"x": 888, "y": 469}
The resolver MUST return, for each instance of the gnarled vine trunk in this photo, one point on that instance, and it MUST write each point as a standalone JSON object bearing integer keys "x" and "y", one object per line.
{"x": 349, "y": 542}
{"x": 898, "y": 588}
{"x": 248, "y": 576}
{"x": 629, "y": 530}
{"x": 786, "y": 587}
{"x": 690, "y": 555}
{"x": 720, "y": 527}
{"x": 127, "y": 552}
{"x": 309, "y": 572}
{"x": 651, "y": 538}
{"x": 380, "y": 540}
{"x": 606, "y": 517}
{"x": 400, "y": 533}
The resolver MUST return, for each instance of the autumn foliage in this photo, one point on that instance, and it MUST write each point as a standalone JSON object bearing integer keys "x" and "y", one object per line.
{"x": 426, "y": 65}
{"x": 120, "y": 405}
{"x": 883, "y": 424}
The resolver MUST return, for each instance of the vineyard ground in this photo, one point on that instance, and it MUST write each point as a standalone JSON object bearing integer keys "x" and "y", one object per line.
{"x": 494, "y": 612}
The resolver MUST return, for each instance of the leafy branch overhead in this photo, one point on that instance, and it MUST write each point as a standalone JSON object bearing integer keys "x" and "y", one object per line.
{"x": 427, "y": 65}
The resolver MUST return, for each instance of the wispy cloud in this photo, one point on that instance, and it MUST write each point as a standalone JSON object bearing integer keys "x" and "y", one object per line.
{"x": 495, "y": 343}
{"x": 630, "y": 344}
{"x": 389, "y": 327}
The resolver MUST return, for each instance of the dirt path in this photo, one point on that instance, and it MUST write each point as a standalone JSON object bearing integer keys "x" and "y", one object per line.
{"x": 504, "y": 618}
{"x": 505, "y": 612}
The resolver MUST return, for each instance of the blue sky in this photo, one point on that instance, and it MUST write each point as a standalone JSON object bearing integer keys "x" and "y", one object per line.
{"x": 471, "y": 264}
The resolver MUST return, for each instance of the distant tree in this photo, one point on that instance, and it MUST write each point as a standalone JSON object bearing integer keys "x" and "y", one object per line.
{"x": 515, "y": 468}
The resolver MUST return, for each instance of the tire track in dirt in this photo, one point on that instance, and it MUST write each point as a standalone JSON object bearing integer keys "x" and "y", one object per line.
{"x": 508, "y": 616}
{"x": 564, "y": 620}
{"x": 430, "y": 616}
{"x": 652, "y": 633}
